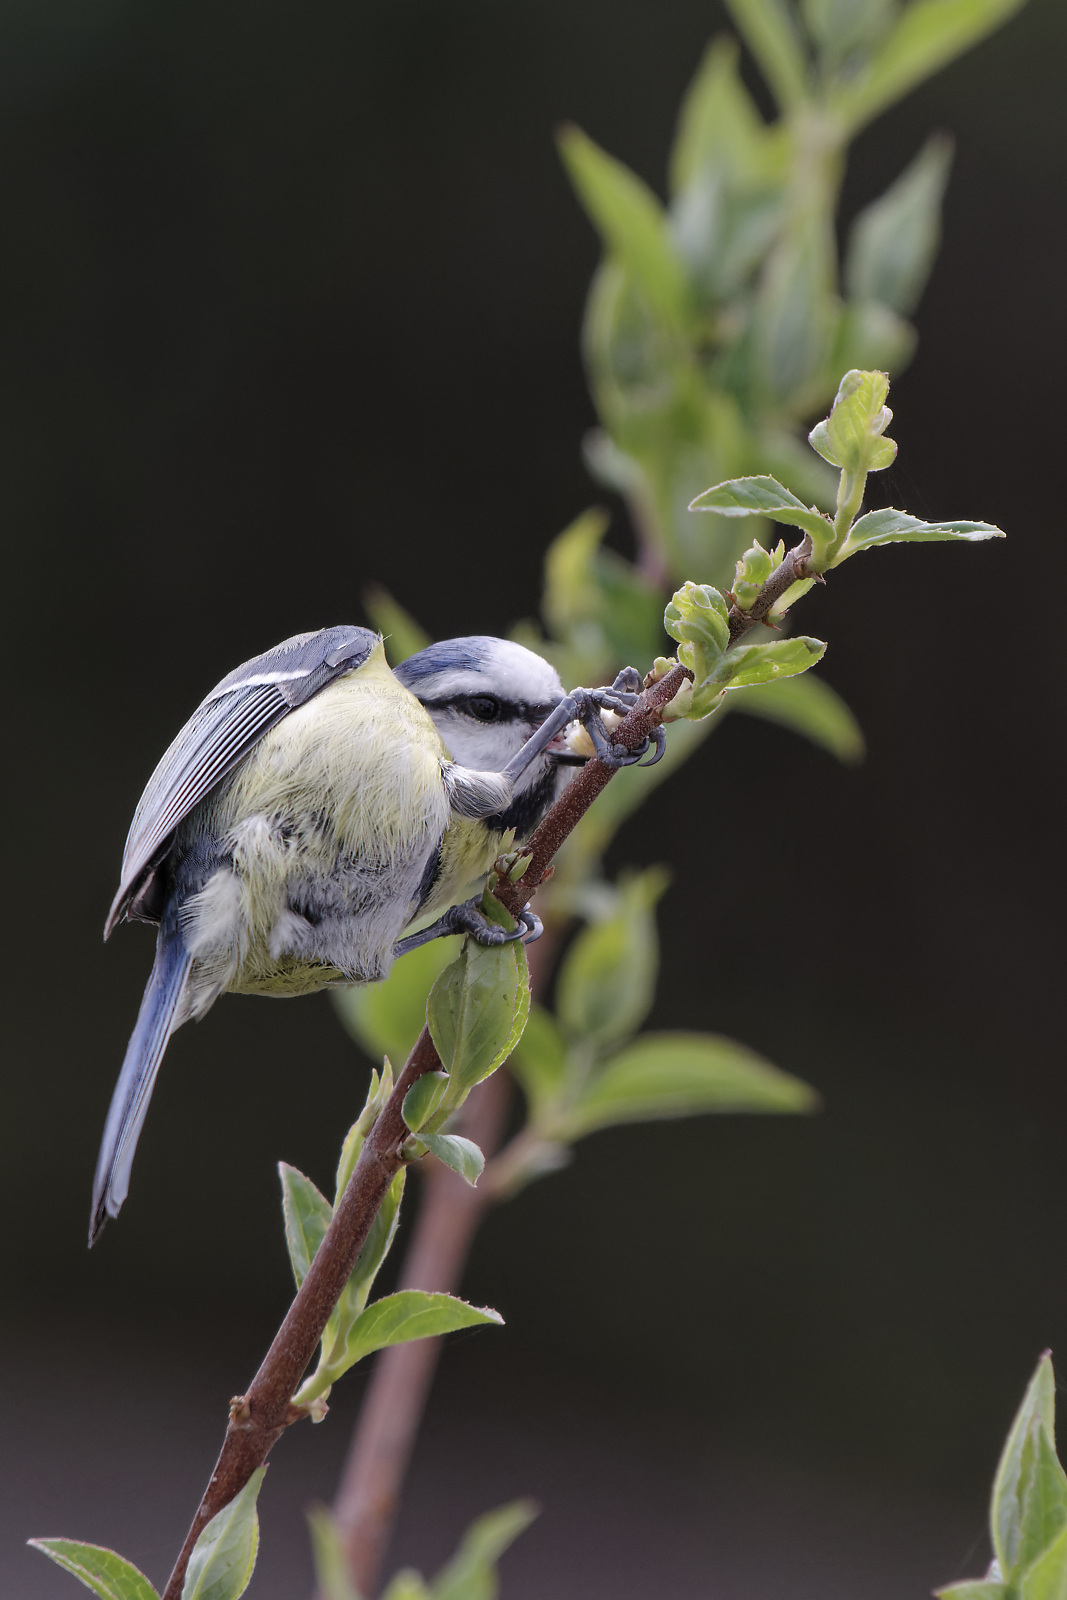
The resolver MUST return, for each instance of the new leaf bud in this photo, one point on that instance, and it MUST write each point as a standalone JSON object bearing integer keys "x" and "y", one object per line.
{"x": 854, "y": 428}
{"x": 752, "y": 572}
{"x": 696, "y": 617}
{"x": 423, "y": 1098}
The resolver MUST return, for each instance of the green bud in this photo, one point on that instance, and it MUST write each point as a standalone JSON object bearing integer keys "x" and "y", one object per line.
{"x": 851, "y": 437}
{"x": 423, "y": 1098}
{"x": 819, "y": 439}
{"x": 696, "y": 617}
{"x": 377, "y": 1094}
{"x": 752, "y": 572}
{"x": 511, "y": 864}
{"x": 696, "y": 614}
{"x": 660, "y": 668}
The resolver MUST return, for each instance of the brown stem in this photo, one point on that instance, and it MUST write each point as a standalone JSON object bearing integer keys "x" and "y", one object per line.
{"x": 579, "y": 795}
{"x": 395, "y": 1398}
{"x": 450, "y": 1213}
{"x": 259, "y": 1417}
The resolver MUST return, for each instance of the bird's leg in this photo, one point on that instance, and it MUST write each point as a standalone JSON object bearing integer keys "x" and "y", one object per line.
{"x": 470, "y": 918}
{"x": 585, "y": 706}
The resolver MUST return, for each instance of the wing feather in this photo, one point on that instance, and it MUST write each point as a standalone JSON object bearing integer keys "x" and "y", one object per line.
{"x": 233, "y": 718}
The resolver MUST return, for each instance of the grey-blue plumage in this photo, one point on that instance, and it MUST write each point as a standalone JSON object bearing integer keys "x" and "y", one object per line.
{"x": 129, "y": 1102}
{"x": 224, "y": 728}
{"x": 313, "y": 809}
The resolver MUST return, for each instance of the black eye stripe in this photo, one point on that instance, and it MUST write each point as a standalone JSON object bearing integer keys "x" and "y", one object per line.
{"x": 508, "y": 710}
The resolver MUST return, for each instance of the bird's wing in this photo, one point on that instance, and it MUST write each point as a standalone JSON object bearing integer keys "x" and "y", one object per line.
{"x": 219, "y": 734}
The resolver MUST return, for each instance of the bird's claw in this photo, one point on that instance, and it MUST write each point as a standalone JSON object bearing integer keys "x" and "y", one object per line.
{"x": 470, "y": 918}
{"x": 658, "y": 738}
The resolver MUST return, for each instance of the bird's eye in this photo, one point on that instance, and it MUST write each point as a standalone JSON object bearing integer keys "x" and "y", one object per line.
{"x": 486, "y": 707}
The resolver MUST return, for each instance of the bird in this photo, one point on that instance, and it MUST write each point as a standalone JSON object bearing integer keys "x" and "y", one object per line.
{"x": 320, "y": 815}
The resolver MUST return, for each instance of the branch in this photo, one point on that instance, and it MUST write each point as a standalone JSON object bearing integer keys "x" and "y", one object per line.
{"x": 580, "y": 793}
{"x": 259, "y": 1417}
{"x": 793, "y": 569}
{"x": 449, "y": 1214}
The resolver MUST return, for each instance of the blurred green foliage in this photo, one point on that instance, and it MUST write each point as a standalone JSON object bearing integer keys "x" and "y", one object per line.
{"x": 1028, "y": 1510}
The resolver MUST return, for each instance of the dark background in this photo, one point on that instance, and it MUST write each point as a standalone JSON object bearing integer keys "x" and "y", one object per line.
{"x": 290, "y": 300}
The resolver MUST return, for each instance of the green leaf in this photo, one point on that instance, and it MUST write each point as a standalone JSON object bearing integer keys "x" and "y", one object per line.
{"x": 697, "y": 614}
{"x": 857, "y": 422}
{"x": 386, "y": 1018}
{"x": 423, "y": 1099}
{"x": 975, "y": 1589}
{"x": 477, "y": 1010}
{"x": 751, "y": 664}
{"x": 331, "y": 1565}
{"x": 1043, "y": 1495}
{"x": 608, "y": 978}
{"x": 843, "y": 28}
{"x": 307, "y": 1214}
{"x": 930, "y": 33}
{"x": 333, "y": 1357}
{"x": 595, "y": 603}
{"x": 379, "y": 1089}
{"x": 809, "y": 707}
{"x": 407, "y": 1585}
{"x": 403, "y": 635}
{"x": 631, "y": 222}
{"x": 101, "y": 1570}
{"x": 411, "y": 1314}
{"x": 220, "y": 1567}
{"x": 1011, "y": 1482}
{"x": 893, "y": 527}
{"x": 376, "y": 1247}
{"x": 1046, "y": 1578}
{"x": 794, "y": 315}
{"x": 682, "y": 1075}
{"x": 570, "y": 585}
{"x": 719, "y": 127}
{"x": 471, "y": 1574}
{"x": 770, "y": 31}
{"x": 539, "y": 1060}
{"x": 462, "y": 1155}
{"x": 868, "y": 335}
{"x": 893, "y": 242}
{"x": 761, "y": 497}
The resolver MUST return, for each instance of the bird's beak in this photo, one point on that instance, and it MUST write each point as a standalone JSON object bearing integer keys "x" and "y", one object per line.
{"x": 571, "y": 746}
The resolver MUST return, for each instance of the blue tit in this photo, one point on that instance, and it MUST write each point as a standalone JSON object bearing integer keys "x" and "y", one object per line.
{"x": 315, "y": 807}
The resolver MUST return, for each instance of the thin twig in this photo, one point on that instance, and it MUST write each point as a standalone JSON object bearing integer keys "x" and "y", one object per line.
{"x": 793, "y": 569}
{"x": 259, "y": 1417}
{"x": 449, "y": 1215}
{"x": 395, "y": 1397}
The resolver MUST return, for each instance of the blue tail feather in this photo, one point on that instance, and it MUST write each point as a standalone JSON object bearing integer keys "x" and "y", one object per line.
{"x": 129, "y": 1103}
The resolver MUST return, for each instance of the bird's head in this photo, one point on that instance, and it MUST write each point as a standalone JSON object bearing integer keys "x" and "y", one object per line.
{"x": 487, "y": 696}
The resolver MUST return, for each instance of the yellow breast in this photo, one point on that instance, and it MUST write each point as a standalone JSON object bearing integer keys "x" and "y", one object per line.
{"x": 364, "y": 753}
